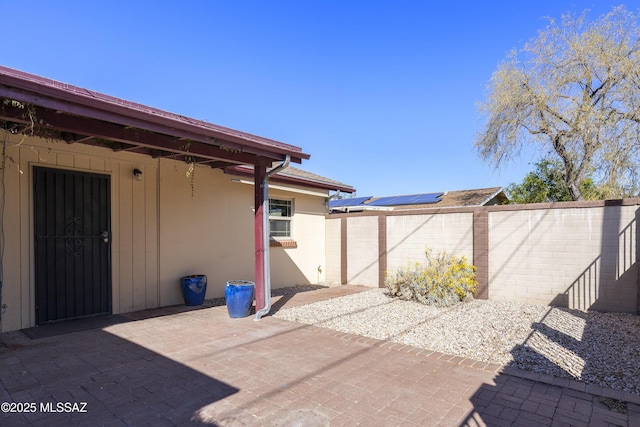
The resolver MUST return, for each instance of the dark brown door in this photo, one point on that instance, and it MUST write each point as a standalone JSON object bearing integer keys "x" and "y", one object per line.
{"x": 72, "y": 244}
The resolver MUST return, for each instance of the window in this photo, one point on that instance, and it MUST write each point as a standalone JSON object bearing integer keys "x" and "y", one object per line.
{"x": 280, "y": 216}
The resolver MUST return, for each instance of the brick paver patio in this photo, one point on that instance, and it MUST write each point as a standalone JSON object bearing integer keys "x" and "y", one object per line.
{"x": 202, "y": 367}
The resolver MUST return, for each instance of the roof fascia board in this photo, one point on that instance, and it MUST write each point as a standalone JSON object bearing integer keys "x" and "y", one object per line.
{"x": 488, "y": 199}
{"x": 239, "y": 171}
{"x": 314, "y": 183}
{"x": 104, "y": 107}
{"x": 117, "y": 133}
{"x": 287, "y": 188}
{"x": 98, "y": 114}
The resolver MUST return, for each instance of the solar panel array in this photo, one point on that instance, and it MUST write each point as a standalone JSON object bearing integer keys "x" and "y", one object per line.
{"x": 356, "y": 201}
{"x": 414, "y": 199}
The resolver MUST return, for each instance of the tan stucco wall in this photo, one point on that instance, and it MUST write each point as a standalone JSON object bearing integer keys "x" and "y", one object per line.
{"x": 160, "y": 232}
{"x": 305, "y": 264}
{"x": 333, "y": 251}
{"x": 212, "y": 233}
{"x": 580, "y": 257}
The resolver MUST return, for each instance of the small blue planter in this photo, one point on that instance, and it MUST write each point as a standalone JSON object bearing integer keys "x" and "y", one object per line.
{"x": 194, "y": 289}
{"x": 239, "y": 296}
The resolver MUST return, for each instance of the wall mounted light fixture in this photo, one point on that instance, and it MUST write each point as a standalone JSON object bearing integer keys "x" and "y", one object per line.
{"x": 137, "y": 173}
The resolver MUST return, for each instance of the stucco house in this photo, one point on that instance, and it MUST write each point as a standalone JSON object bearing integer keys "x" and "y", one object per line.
{"x": 106, "y": 203}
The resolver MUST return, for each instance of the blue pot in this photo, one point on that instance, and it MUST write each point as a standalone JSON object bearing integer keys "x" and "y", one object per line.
{"x": 194, "y": 289}
{"x": 239, "y": 296}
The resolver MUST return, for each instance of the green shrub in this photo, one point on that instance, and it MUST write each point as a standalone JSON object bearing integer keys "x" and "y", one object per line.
{"x": 442, "y": 280}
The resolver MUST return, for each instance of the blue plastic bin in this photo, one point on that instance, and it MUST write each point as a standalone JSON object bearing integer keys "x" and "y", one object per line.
{"x": 239, "y": 296}
{"x": 194, "y": 289}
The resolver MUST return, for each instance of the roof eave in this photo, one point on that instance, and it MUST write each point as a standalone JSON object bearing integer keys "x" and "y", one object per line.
{"x": 292, "y": 180}
{"x": 73, "y": 100}
{"x": 492, "y": 196}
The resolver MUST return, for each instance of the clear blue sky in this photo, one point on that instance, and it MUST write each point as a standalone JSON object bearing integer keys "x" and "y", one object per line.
{"x": 382, "y": 94}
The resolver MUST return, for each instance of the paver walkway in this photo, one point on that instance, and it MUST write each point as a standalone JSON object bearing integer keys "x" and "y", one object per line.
{"x": 202, "y": 367}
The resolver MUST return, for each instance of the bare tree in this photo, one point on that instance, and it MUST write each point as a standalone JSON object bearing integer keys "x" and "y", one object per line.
{"x": 575, "y": 90}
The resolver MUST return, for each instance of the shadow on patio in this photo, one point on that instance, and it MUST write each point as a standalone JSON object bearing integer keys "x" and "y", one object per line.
{"x": 114, "y": 380}
{"x": 169, "y": 366}
{"x": 601, "y": 389}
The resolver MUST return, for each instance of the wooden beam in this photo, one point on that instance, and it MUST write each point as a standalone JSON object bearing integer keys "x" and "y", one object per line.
{"x": 94, "y": 109}
{"x": 126, "y": 137}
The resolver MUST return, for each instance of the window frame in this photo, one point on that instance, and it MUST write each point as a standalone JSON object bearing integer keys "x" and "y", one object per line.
{"x": 290, "y": 204}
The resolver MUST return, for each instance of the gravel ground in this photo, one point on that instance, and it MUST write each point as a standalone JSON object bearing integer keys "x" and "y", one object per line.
{"x": 598, "y": 348}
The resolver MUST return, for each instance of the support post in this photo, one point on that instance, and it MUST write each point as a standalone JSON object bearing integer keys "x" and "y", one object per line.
{"x": 259, "y": 220}
{"x": 481, "y": 251}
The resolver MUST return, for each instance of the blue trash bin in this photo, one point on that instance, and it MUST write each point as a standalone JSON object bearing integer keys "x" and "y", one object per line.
{"x": 194, "y": 289}
{"x": 239, "y": 296}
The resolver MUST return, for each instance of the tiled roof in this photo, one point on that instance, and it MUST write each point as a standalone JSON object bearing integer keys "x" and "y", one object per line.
{"x": 299, "y": 173}
{"x": 476, "y": 197}
{"x": 297, "y": 176}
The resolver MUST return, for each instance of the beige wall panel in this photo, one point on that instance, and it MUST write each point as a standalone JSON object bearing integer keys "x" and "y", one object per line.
{"x": 362, "y": 251}
{"x": 138, "y": 231}
{"x": 333, "y": 251}
{"x": 580, "y": 258}
{"x": 112, "y": 167}
{"x": 208, "y": 232}
{"x": 18, "y": 283}
{"x": 409, "y": 235}
{"x": 82, "y": 162}
{"x": 65, "y": 160}
{"x": 97, "y": 164}
{"x": 150, "y": 181}
{"x": 13, "y": 285}
{"x": 122, "y": 180}
{"x": 27, "y": 159}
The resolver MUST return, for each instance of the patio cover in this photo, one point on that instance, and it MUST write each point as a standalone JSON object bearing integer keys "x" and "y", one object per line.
{"x": 43, "y": 107}
{"x": 74, "y": 114}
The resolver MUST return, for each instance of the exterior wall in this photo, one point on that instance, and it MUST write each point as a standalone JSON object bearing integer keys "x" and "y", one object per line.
{"x": 212, "y": 233}
{"x": 333, "y": 252}
{"x": 160, "y": 232}
{"x": 306, "y": 263}
{"x": 134, "y": 224}
{"x": 576, "y": 258}
{"x": 379, "y": 244}
{"x": 581, "y": 255}
{"x": 362, "y": 251}
{"x": 201, "y": 232}
{"x": 409, "y": 235}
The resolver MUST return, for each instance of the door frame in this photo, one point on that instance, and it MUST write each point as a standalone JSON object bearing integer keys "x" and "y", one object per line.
{"x": 32, "y": 226}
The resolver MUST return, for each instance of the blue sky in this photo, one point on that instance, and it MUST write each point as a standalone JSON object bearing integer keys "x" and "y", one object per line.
{"x": 382, "y": 94}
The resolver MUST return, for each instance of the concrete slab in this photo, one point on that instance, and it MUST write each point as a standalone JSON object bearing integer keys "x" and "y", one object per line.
{"x": 201, "y": 367}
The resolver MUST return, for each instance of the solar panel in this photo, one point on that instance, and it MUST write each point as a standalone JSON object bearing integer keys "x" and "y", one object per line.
{"x": 356, "y": 201}
{"x": 413, "y": 199}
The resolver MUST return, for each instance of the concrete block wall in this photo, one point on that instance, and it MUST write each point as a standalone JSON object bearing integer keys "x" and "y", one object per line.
{"x": 333, "y": 253}
{"x": 581, "y": 255}
{"x": 409, "y": 235}
{"x": 574, "y": 257}
{"x": 362, "y": 251}
{"x": 363, "y": 248}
